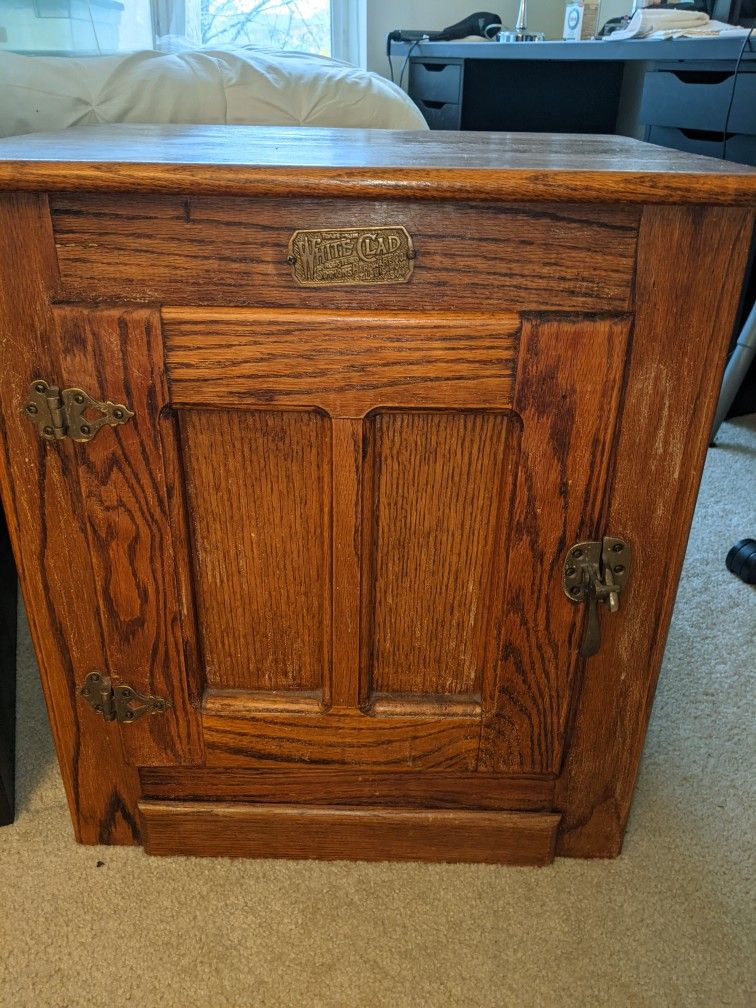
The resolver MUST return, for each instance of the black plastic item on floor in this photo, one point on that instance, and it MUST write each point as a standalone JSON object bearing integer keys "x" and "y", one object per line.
{"x": 741, "y": 560}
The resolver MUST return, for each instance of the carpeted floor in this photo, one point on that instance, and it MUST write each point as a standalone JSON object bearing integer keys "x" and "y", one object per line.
{"x": 670, "y": 923}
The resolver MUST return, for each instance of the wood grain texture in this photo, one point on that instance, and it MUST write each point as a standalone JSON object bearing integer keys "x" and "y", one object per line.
{"x": 117, "y": 355}
{"x": 233, "y": 252}
{"x": 439, "y": 482}
{"x": 568, "y": 389}
{"x": 44, "y": 511}
{"x": 314, "y": 786}
{"x": 346, "y": 587}
{"x": 344, "y": 363}
{"x": 368, "y": 163}
{"x": 258, "y": 486}
{"x": 8, "y": 610}
{"x": 690, "y": 269}
{"x": 341, "y": 738}
{"x": 361, "y": 834}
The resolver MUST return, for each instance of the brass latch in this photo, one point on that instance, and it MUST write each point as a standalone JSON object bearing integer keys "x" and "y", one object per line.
{"x": 68, "y": 412}
{"x": 596, "y": 572}
{"x": 119, "y": 703}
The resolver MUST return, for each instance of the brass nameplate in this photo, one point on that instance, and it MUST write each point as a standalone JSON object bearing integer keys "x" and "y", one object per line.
{"x": 351, "y": 256}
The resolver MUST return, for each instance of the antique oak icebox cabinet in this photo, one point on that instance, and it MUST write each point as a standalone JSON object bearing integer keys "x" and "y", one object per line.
{"x": 349, "y": 475}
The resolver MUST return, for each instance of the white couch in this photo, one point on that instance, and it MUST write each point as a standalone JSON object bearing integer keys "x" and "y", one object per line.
{"x": 234, "y": 85}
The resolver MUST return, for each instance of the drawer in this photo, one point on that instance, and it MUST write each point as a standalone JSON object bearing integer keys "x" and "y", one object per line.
{"x": 435, "y": 80}
{"x": 178, "y": 251}
{"x": 741, "y": 148}
{"x": 440, "y": 115}
{"x": 699, "y": 100}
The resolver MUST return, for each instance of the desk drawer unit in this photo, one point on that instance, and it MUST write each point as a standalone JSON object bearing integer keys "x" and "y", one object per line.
{"x": 436, "y": 88}
{"x": 349, "y": 497}
{"x": 687, "y": 109}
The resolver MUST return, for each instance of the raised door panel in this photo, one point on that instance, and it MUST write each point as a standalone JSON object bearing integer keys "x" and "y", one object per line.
{"x": 437, "y": 485}
{"x": 258, "y": 487}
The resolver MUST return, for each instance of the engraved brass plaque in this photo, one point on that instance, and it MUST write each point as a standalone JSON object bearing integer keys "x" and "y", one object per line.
{"x": 351, "y": 256}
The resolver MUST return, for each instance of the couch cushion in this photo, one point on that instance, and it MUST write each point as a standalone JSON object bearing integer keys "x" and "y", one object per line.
{"x": 253, "y": 86}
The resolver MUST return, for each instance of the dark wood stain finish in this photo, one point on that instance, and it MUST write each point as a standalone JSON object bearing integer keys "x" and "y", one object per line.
{"x": 362, "y": 834}
{"x": 372, "y": 164}
{"x": 690, "y": 266}
{"x": 45, "y": 515}
{"x": 567, "y": 368}
{"x": 343, "y": 787}
{"x": 333, "y": 533}
{"x": 143, "y": 249}
{"x": 118, "y": 354}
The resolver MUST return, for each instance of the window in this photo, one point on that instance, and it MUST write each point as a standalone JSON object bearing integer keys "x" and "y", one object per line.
{"x": 278, "y": 24}
{"x": 329, "y": 27}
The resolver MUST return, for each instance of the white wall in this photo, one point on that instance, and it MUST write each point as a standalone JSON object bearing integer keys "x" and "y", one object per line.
{"x": 385, "y": 15}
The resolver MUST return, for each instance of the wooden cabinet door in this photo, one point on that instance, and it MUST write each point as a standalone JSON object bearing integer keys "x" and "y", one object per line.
{"x": 336, "y": 540}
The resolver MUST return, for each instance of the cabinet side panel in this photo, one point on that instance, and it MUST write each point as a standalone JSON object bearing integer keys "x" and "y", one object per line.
{"x": 691, "y": 263}
{"x": 39, "y": 483}
{"x": 258, "y": 489}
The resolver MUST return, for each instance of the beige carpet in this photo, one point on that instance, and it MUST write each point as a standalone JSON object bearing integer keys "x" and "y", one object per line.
{"x": 670, "y": 923}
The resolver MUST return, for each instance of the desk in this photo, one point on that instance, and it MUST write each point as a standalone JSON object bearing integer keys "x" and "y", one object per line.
{"x": 671, "y": 92}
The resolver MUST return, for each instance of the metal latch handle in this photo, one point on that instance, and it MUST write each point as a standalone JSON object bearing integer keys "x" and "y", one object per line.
{"x": 596, "y": 572}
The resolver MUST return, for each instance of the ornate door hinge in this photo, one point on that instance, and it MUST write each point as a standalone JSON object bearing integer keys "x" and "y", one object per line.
{"x": 596, "y": 572}
{"x": 119, "y": 703}
{"x": 68, "y": 412}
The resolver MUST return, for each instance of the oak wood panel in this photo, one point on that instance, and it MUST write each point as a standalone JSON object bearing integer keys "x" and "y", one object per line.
{"x": 368, "y": 163}
{"x": 341, "y": 738}
{"x": 43, "y": 507}
{"x": 690, "y": 268}
{"x": 258, "y": 486}
{"x": 347, "y": 563}
{"x": 219, "y": 251}
{"x": 569, "y": 381}
{"x": 315, "y": 786}
{"x": 439, "y": 483}
{"x": 8, "y": 610}
{"x": 344, "y": 363}
{"x": 332, "y": 834}
{"x": 117, "y": 355}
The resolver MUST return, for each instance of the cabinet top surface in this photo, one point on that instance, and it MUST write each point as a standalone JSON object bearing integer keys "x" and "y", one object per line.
{"x": 251, "y": 160}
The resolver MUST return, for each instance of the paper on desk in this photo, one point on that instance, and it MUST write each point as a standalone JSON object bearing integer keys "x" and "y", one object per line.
{"x": 662, "y": 24}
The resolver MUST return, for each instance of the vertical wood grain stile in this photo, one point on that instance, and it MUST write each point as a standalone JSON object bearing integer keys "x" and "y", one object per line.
{"x": 44, "y": 509}
{"x": 567, "y": 396}
{"x": 347, "y": 556}
{"x": 117, "y": 354}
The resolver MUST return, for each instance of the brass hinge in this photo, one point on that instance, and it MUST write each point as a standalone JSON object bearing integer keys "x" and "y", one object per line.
{"x": 64, "y": 413}
{"x": 596, "y": 572}
{"x": 119, "y": 703}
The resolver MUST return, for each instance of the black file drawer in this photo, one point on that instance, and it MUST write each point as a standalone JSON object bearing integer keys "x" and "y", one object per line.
{"x": 440, "y": 115}
{"x": 741, "y": 147}
{"x": 435, "y": 80}
{"x": 698, "y": 99}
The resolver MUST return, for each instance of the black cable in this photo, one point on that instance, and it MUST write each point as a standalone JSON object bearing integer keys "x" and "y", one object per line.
{"x": 406, "y": 61}
{"x": 746, "y": 40}
{"x": 388, "y": 56}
